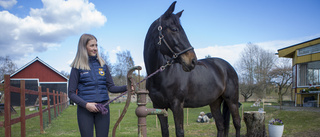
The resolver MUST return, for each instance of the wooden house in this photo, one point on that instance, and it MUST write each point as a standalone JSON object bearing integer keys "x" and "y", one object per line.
{"x": 306, "y": 71}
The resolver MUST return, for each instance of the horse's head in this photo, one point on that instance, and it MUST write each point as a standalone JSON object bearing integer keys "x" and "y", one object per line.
{"x": 173, "y": 40}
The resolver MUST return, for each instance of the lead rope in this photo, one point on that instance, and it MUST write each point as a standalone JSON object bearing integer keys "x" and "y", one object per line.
{"x": 101, "y": 107}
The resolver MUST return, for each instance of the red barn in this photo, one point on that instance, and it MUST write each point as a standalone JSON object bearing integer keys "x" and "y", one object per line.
{"x": 38, "y": 73}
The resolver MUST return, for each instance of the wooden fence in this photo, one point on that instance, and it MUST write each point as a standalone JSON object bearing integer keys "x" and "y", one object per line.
{"x": 59, "y": 104}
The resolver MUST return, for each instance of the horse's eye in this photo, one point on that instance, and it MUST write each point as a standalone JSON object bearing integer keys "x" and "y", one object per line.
{"x": 175, "y": 29}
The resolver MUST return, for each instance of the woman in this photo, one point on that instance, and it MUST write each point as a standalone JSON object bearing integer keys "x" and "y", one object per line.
{"x": 91, "y": 78}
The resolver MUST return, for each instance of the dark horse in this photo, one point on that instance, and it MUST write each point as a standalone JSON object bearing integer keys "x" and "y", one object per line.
{"x": 186, "y": 82}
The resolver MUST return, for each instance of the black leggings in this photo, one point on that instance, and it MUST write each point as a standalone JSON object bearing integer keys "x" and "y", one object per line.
{"x": 87, "y": 120}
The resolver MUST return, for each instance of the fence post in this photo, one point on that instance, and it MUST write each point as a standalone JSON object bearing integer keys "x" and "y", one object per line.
{"x": 62, "y": 102}
{"x": 7, "y": 104}
{"x": 49, "y": 108}
{"x": 54, "y": 103}
{"x": 65, "y": 100}
{"x": 40, "y": 110}
{"x": 58, "y": 102}
{"x": 23, "y": 108}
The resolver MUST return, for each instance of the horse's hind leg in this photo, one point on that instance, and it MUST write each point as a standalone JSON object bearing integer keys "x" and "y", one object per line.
{"x": 216, "y": 113}
{"x": 234, "y": 110}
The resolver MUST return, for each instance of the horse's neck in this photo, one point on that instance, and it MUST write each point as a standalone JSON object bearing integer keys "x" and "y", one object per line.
{"x": 155, "y": 59}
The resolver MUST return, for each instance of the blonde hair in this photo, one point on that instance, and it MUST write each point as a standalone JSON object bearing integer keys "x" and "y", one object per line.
{"x": 81, "y": 61}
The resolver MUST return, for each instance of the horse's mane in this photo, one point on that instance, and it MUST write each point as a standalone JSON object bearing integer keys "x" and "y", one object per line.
{"x": 151, "y": 48}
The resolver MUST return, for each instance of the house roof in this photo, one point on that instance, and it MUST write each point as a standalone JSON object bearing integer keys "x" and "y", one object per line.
{"x": 41, "y": 61}
{"x": 289, "y": 52}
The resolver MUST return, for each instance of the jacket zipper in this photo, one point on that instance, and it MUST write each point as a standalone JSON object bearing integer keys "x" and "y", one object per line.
{"x": 94, "y": 77}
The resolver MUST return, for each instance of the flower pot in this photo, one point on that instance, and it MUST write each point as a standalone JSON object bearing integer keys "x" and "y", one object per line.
{"x": 275, "y": 130}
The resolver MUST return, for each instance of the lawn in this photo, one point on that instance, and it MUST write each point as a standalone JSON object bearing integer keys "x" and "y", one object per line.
{"x": 297, "y": 123}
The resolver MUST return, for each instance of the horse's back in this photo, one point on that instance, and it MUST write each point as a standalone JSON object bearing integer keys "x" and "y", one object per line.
{"x": 217, "y": 64}
{"x": 216, "y": 61}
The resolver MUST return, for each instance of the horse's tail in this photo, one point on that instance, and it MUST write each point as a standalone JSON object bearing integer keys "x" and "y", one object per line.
{"x": 226, "y": 118}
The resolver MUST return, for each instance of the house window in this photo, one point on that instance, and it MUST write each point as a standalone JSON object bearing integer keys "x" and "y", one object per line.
{"x": 309, "y": 50}
{"x": 313, "y": 73}
{"x": 302, "y": 75}
{"x": 309, "y": 73}
{"x": 294, "y": 76}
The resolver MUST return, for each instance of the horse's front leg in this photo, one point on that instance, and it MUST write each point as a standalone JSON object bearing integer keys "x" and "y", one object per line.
{"x": 216, "y": 113}
{"x": 177, "y": 110}
{"x": 164, "y": 125}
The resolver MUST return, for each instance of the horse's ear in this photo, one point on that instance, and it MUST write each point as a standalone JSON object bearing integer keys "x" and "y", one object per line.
{"x": 170, "y": 10}
{"x": 179, "y": 13}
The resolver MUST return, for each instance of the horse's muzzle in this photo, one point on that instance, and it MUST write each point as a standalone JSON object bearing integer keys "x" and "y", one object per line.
{"x": 188, "y": 61}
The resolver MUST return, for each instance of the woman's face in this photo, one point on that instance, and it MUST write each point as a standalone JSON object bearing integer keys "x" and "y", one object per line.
{"x": 92, "y": 47}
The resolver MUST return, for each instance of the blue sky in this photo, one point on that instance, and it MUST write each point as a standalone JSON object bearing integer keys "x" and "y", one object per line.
{"x": 50, "y": 29}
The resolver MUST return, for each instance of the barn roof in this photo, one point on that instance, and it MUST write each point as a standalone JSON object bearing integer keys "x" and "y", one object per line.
{"x": 41, "y": 61}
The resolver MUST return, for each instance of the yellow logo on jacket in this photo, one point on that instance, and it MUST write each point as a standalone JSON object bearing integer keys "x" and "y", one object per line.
{"x": 101, "y": 72}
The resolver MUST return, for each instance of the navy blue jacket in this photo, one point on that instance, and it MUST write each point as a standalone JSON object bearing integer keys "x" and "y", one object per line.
{"x": 93, "y": 85}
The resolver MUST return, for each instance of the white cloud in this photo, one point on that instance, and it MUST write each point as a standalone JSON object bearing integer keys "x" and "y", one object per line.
{"x": 118, "y": 49}
{"x": 46, "y": 27}
{"x": 7, "y": 4}
{"x": 113, "y": 54}
{"x": 231, "y": 53}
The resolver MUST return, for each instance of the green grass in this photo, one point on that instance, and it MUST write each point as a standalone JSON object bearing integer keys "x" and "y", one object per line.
{"x": 296, "y": 123}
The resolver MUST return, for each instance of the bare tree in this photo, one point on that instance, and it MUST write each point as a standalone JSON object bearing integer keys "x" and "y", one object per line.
{"x": 64, "y": 73}
{"x": 208, "y": 56}
{"x": 7, "y": 66}
{"x": 246, "y": 71}
{"x": 123, "y": 64}
{"x": 281, "y": 76}
{"x": 253, "y": 67}
{"x": 246, "y": 89}
{"x": 105, "y": 57}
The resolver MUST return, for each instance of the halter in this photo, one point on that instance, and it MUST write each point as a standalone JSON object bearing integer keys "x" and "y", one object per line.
{"x": 161, "y": 37}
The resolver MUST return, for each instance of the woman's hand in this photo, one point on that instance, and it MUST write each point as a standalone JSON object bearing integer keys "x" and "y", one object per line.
{"x": 91, "y": 106}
